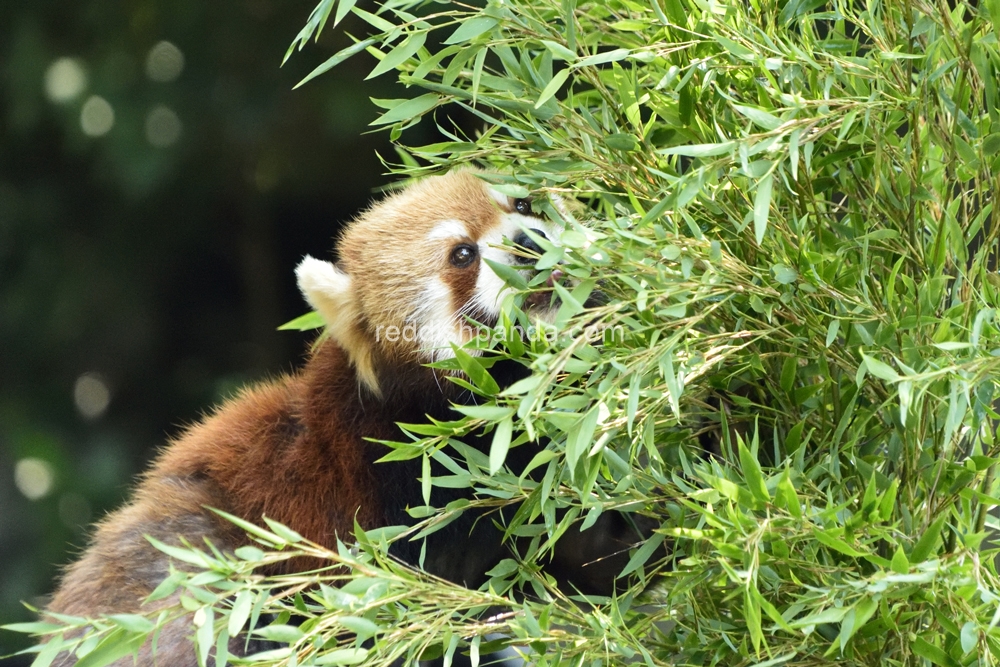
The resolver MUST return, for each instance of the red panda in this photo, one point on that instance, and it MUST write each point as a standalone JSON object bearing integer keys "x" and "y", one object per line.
{"x": 410, "y": 270}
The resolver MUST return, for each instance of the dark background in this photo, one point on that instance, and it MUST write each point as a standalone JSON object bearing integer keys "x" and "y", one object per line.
{"x": 145, "y": 266}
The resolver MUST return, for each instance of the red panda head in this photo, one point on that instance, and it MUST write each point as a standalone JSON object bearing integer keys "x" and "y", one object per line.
{"x": 412, "y": 270}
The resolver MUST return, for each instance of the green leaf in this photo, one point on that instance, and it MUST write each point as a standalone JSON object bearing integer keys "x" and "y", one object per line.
{"x": 752, "y": 473}
{"x": 785, "y": 275}
{"x": 362, "y": 627}
{"x": 426, "y": 478}
{"x": 476, "y": 372}
{"x": 751, "y": 610}
{"x": 493, "y": 413}
{"x": 47, "y": 655}
{"x": 938, "y": 656}
{"x": 114, "y": 646}
{"x": 242, "y": 606}
{"x": 880, "y": 369}
{"x": 204, "y": 618}
{"x": 700, "y": 150}
{"x": 185, "y": 555}
{"x": 643, "y": 554}
{"x": 166, "y": 587}
{"x": 342, "y": 656}
{"x": 855, "y": 619}
{"x": 762, "y": 206}
{"x": 969, "y": 637}
{"x": 834, "y": 539}
{"x": 769, "y": 609}
{"x": 469, "y": 29}
{"x": 558, "y": 51}
{"x": 759, "y": 117}
{"x": 888, "y": 502}
{"x": 580, "y": 437}
{"x": 928, "y": 541}
{"x": 905, "y": 397}
{"x": 284, "y": 532}
{"x": 674, "y": 386}
{"x": 830, "y": 615}
{"x": 249, "y": 553}
{"x": 515, "y": 190}
{"x": 786, "y": 496}
{"x": 831, "y": 332}
{"x": 622, "y": 141}
{"x": 788, "y": 369}
{"x": 500, "y": 444}
{"x": 552, "y": 87}
{"x": 132, "y": 622}
{"x": 400, "y": 54}
{"x": 374, "y": 21}
{"x": 993, "y": 11}
{"x": 735, "y": 49}
{"x": 408, "y": 109}
{"x": 343, "y": 7}
{"x": 900, "y": 564}
{"x": 603, "y": 58}
{"x": 991, "y": 144}
{"x": 251, "y": 528}
{"x": 508, "y": 274}
{"x": 285, "y": 634}
{"x": 34, "y": 627}
{"x": 633, "y": 401}
{"x": 336, "y": 59}
{"x": 305, "y": 322}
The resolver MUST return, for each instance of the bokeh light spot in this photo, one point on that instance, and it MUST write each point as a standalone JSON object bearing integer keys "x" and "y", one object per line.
{"x": 97, "y": 117}
{"x": 163, "y": 127}
{"x": 91, "y": 395}
{"x": 164, "y": 63}
{"x": 34, "y": 478}
{"x": 65, "y": 79}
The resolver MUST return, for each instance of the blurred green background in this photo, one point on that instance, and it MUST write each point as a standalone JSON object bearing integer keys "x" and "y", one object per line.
{"x": 159, "y": 180}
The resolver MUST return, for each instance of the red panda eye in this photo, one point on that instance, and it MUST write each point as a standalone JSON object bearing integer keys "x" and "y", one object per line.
{"x": 523, "y": 206}
{"x": 464, "y": 255}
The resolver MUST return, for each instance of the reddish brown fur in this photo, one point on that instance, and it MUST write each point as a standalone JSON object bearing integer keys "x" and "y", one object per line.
{"x": 395, "y": 233}
{"x": 294, "y": 450}
{"x": 291, "y": 450}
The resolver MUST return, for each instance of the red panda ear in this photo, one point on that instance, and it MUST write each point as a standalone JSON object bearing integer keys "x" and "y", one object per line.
{"x": 331, "y": 292}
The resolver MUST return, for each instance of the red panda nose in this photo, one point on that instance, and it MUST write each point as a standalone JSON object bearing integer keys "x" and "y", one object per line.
{"x": 529, "y": 244}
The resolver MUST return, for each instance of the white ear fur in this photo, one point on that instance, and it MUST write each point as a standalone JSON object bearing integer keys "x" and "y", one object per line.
{"x": 330, "y": 291}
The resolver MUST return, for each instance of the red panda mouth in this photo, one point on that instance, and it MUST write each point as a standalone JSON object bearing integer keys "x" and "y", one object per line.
{"x": 546, "y": 298}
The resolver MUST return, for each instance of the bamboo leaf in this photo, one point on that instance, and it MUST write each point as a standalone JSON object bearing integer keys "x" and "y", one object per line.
{"x": 759, "y": 117}
{"x": 336, "y": 59}
{"x": 552, "y": 87}
{"x": 470, "y": 29}
{"x": 700, "y": 150}
{"x": 408, "y": 109}
{"x": 400, "y": 54}
{"x": 500, "y": 444}
{"x": 928, "y": 541}
{"x": 752, "y": 473}
{"x": 762, "y": 206}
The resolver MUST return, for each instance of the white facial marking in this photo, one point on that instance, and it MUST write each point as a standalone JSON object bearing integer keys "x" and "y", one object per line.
{"x": 499, "y": 198}
{"x": 433, "y": 321}
{"x": 433, "y": 324}
{"x": 490, "y": 288}
{"x": 448, "y": 229}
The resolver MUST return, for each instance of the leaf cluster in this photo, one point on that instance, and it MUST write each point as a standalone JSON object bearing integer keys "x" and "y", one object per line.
{"x": 789, "y": 208}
